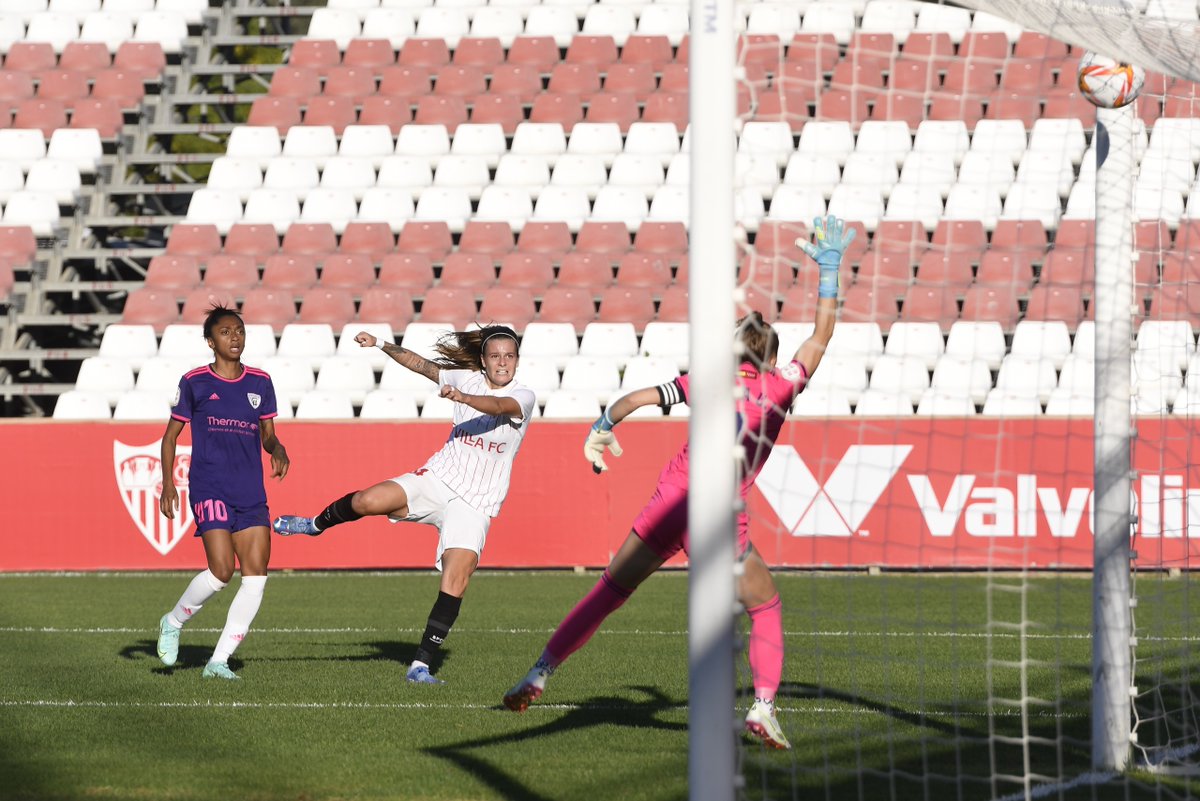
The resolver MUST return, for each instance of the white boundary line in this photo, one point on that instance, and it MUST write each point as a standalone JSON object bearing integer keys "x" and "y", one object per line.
{"x": 1043, "y": 790}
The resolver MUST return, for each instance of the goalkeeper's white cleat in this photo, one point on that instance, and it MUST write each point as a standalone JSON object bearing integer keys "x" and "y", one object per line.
{"x": 530, "y": 688}
{"x": 762, "y": 723}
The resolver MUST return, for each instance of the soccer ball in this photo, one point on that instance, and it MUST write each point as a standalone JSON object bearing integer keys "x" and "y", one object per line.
{"x": 1109, "y": 83}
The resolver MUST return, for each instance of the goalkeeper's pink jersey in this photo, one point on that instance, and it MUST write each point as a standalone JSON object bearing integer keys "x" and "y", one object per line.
{"x": 769, "y": 395}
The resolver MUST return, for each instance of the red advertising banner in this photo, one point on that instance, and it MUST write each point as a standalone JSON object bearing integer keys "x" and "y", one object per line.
{"x": 909, "y": 493}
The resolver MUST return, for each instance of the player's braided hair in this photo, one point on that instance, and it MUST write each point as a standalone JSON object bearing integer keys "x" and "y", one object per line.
{"x": 215, "y": 313}
{"x": 463, "y": 350}
{"x": 758, "y": 338}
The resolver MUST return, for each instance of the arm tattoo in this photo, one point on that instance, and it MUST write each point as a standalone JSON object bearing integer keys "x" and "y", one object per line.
{"x": 413, "y": 361}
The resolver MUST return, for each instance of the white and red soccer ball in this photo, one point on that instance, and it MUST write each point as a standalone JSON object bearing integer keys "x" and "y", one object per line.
{"x": 1109, "y": 83}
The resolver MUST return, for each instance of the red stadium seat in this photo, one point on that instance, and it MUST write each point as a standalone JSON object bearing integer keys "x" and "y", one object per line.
{"x": 550, "y": 238}
{"x": 862, "y": 77}
{"x": 334, "y": 306}
{"x": 1175, "y": 303}
{"x": 1026, "y": 75}
{"x": 504, "y": 110}
{"x": 539, "y": 52}
{"x": 468, "y": 270}
{"x": 566, "y": 110}
{"x": 281, "y": 113}
{"x": 257, "y": 240}
{"x": 769, "y": 273}
{"x": 635, "y": 79}
{"x": 917, "y": 75}
{"x": 799, "y": 305}
{"x": 336, "y": 112}
{"x": 950, "y": 106}
{"x": 898, "y": 236}
{"x": 145, "y": 58}
{"x": 387, "y": 304}
{"x": 430, "y": 238}
{"x": 1187, "y": 235}
{"x": 764, "y": 301}
{"x": 877, "y": 48}
{"x": 460, "y": 80}
{"x": 1038, "y": 45}
{"x": 1069, "y": 104}
{"x": 621, "y": 108}
{"x": 908, "y": 107}
{"x": 568, "y": 78}
{"x": 1022, "y": 235}
{"x": 1152, "y": 236}
{"x": 598, "y": 50}
{"x": 610, "y": 239}
{"x": 18, "y": 245}
{"x": 674, "y": 78}
{"x": 101, "y": 114}
{"x": 369, "y": 53}
{"x": 269, "y": 306}
{"x": 354, "y": 82}
{"x": 777, "y": 238}
{"x": 452, "y": 305}
{"x": 966, "y": 235}
{"x": 298, "y": 82}
{"x": 619, "y": 304}
{"x": 394, "y": 112}
{"x": 200, "y": 301}
{"x": 669, "y": 239}
{"x": 862, "y": 303}
{"x": 1009, "y": 105}
{"x": 230, "y": 271}
{"x": 592, "y": 271}
{"x": 405, "y": 80}
{"x": 1075, "y": 234}
{"x": 309, "y": 239}
{"x": 315, "y": 53}
{"x": 929, "y": 303}
{"x": 123, "y": 86}
{"x": 30, "y": 57}
{"x": 838, "y": 104}
{"x": 169, "y": 272}
{"x": 664, "y": 106}
{"x": 510, "y": 305}
{"x": 970, "y": 78}
{"x": 1008, "y": 268}
{"x": 291, "y": 271}
{"x": 818, "y": 49}
{"x": 1180, "y": 267}
{"x": 534, "y": 271}
{"x": 83, "y": 57}
{"x": 492, "y": 238}
{"x": 992, "y": 303}
{"x": 43, "y": 114}
{"x": 1056, "y": 302}
{"x": 372, "y": 239}
{"x": 424, "y": 52}
{"x": 888, "y": 271}
{"x": 950, "y": 268}
{"x": 15, "y": 87}
{"x": 408, "y": 271}
{"x": 194, "y": 240}
{"x": 654, "y": 51}
{"x": 644, "y": 270}
{"x": 561, "y": 304}
{"x": 984, "y": 46}
{"x": 353, "y": 271}
{"x": 485, "y": 52}
{"x": 1070, "y": 266}
{"x": 437, "y": 110}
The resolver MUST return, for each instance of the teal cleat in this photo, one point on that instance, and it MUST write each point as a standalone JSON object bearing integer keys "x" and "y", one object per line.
{"x": 168, "y": 642}
{"x": 287, "y": 525}
{"x": 219, "y": 670}
{"x": 419, "y": 674}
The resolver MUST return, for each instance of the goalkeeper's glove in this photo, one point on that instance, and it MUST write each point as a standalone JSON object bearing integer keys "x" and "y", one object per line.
{"x": 599, "y": 438}
{"x": 832, "y": 241}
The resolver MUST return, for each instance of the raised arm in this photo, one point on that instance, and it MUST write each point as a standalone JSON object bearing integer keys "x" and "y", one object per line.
{"x": 601, "y": 436}
{"x": 403, "y": 356}
{"x": 832, "y": 240}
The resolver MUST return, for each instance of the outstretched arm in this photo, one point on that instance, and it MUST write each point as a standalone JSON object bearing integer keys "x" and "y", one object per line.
{"x": 487, "y": 404}
{"x": 601, "y": 436}
{"x": 404, "y": 356}
{"x": 832, "y": 240}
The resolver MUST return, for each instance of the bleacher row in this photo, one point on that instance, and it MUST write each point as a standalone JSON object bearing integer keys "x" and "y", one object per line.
{"x": 1046, "y": 369}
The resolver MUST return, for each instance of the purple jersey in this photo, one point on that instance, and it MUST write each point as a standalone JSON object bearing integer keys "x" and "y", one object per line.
{"x": 225, "y": 416}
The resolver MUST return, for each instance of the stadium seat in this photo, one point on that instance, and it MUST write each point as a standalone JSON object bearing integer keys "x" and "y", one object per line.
{"x": 387, "y": 304}
{"x": 468, "y": 270}
{"x": 352, "y": 271}
{"x": 567, "y": 305}
{"x": 289, "y": 271}
{"x": 277, "y": 207}
{"x": 1056, "y": 302}
{"x": 108, "y": 378}
{"x": 133, "y": 344}
{"x": 532, "y": 271}
{"x": 232, "y": 272}
{"x": 82, "y": 405}
{"x": 309, "y": 239}
{"x": 508, "y": 305}
{"x": 371, "y": 239}
{"x": 905, "y": 376}
{"x": 269, "y": 306}
{"x": 185, "y": 342}
{"x": 201, "y": 300}
{"x": 454, "y": 306}
{"x": 150, "y": 307}
{"x": 412, "y": 271}
{"x": 137, "y": 405}
{"x": 172, "y": 273}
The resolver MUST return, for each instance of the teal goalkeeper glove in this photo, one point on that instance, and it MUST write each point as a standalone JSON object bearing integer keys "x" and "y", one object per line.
{"x": 832, "y": 241}
{"x": 599, "y": 438}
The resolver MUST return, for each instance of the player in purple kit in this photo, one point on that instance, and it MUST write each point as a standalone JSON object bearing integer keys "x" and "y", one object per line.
{"x": 461, "y": 487}
{"x": 660, "y": 531}
{"x": 232, "y": 410}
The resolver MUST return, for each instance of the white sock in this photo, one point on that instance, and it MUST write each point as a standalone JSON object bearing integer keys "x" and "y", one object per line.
{"x": 241, "y": 615}
{"x": 204, "y": 586}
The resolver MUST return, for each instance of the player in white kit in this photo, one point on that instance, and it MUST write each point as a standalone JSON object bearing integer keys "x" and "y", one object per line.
{"x": 461, "y": 487}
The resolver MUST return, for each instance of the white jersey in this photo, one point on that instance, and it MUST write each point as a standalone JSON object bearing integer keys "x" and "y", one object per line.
{"x": 476, "y": 461}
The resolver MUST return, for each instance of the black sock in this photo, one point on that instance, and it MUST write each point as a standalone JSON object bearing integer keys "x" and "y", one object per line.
{"x": 340, "y": 511}
{"x": 441, "y": 618}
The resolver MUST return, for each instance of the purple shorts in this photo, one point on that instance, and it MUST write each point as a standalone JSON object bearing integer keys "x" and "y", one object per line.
{"x": 662, "y": 524}
{"x": 212, "y": 514}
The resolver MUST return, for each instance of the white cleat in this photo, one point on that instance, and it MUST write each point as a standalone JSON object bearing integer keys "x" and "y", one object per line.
{"x": 528, "y": 689}
{"x": 762, "y": 723}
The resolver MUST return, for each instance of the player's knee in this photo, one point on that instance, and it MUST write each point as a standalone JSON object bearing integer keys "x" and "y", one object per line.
{"x": 223, "y": 570}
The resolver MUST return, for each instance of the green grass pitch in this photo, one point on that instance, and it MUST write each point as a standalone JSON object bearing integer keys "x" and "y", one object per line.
{"x": 885, "y": 692}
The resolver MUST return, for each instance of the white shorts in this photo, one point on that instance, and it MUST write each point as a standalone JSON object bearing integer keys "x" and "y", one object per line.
{"x": 459, "y": 524}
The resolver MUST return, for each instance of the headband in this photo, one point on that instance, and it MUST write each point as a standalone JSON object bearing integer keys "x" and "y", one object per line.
{"x": 483, "y": 344}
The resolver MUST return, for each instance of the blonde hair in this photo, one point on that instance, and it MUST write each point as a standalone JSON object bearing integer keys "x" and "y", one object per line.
{"x": 758, "y": 338}
{"x": 463, "y": 350}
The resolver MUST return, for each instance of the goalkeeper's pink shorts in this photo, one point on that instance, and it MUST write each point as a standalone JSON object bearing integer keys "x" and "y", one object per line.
{"x": 662, "y": 524}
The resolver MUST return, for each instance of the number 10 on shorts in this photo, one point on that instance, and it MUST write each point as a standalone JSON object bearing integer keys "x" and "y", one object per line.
{"x": 210, "y": 510}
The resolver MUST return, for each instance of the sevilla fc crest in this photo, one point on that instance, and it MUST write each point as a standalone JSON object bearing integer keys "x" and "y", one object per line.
{"x": 139, "y": 479}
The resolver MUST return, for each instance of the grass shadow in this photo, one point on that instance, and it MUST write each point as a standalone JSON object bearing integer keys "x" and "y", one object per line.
{"x": 596, "y": 711}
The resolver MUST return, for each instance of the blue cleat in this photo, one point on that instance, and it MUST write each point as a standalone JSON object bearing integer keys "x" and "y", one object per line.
{"x": 168, "y": 642}
{"x": 287, "y": 525}
{"x": 219, "y": 670}
{"x": 419, "y": 674}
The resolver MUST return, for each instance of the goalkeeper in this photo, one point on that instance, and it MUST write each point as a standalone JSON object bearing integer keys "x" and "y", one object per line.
{"x": 660, "y": 531}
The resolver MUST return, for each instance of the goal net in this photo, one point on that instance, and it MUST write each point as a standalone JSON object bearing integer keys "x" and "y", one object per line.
{"x": 934, "y": 491}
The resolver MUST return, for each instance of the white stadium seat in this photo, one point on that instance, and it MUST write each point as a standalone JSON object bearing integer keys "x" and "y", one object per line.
{"x": 346, "y": 375}
{"x": 311, "y": 342}
{"x": 324, "y": 405}
{"x": 135, "y": 405}
{"x": 79, "y": 405}
{"x": 383, "y": 404}
{"x": 130, "y": 343}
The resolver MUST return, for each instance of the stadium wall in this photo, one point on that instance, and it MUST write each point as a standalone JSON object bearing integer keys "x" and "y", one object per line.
{"x": 907, "y": 494}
